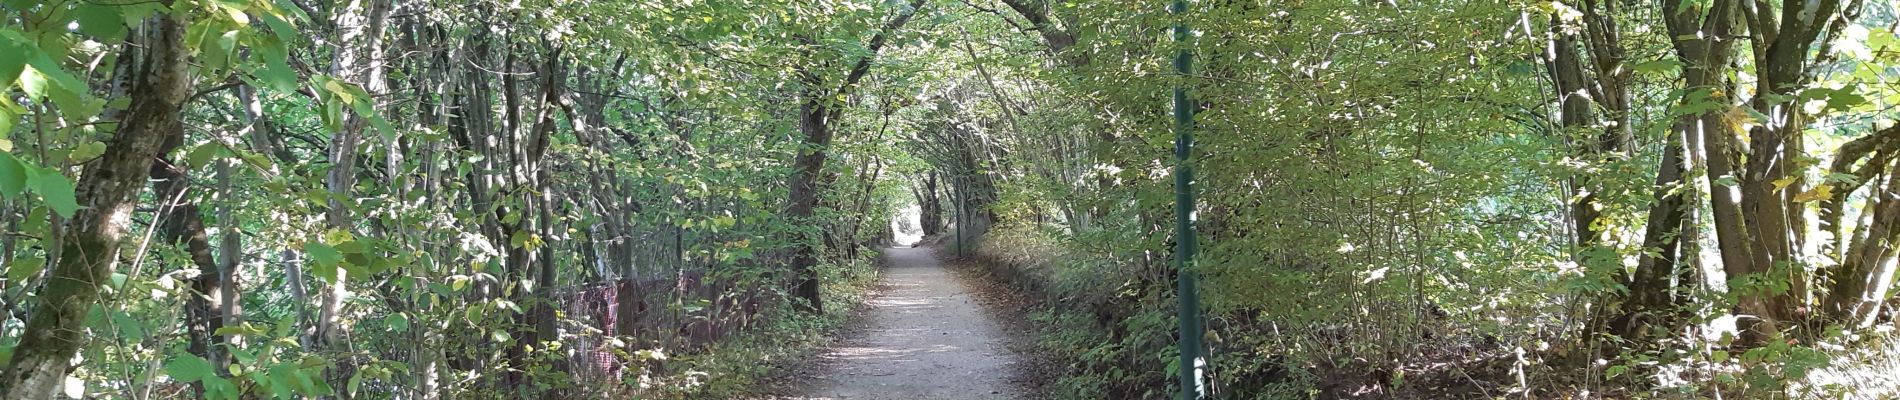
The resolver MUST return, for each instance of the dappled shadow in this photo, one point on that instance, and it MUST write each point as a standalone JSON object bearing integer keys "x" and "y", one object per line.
{"x": 924, "y": 338}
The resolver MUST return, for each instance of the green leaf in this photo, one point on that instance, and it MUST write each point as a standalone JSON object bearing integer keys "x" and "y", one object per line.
{"x": 202, "y": 155}
{"x": 323, "y": 254}
{"x": 1841, "y": 178}
{"x": 8, "y": 114}
{"x": 228, "y": 41}
{"x": 332, "y": 115}
{"x": 278, "y": 26}
{"x": 279, "y": 378}
{"x": 103, "y": 21}
{"x": 1659, "y": 66}
{"x": 1843, "y": 100}
{"x": 275, "y": 73}
{"x": 367, "y": 110}
{"x": 356, "y": 382}
{"x": 17, "y": 49}
{"x": 397, "y": 322}
{"x": 55, "y": 189}
{"x": 520, "y": 239}
{"x": 236, "y": 12}
{"x": 72, "y": 95}
{"x": 86, "y": 151}
{"x": 189, "y": 368}
{"x": 326, "y": 258}
{"x": 12, "y": 176}
{"x": 128, "y": 327}
{"x": 221, "y": 389}
{"x": 22, "y": 269}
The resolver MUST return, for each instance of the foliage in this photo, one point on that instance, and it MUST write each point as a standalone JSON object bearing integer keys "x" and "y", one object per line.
{"x": 1427, "y": 200}
{"x": 395, "y": 199}
{"x": 548, "y": 198}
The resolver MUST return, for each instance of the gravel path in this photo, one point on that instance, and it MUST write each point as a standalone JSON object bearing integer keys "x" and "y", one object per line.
{"x": 924, "y": 337}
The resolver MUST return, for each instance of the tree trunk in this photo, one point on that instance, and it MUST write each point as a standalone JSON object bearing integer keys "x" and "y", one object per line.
{"x": 552, "y": 80}
{"x": 1651, "y": 292}
{"x": 1760, "y": 227}
{"x": 813, "y": 114}
{"x": 1565, "y": 67}
{"x": 181, "y": 223}
{"x": 106, "y": 191}
{"x": 931, "y": 206}
{"x": 816, "y": 111}
{"x": 1583, "y": 86}
{"x": 1861, "y": 282}
{"x": 1706, "y": 59}
{"x": 1866, "y": 275}
{"x": 359, "y": 60}
{"x": 231, "y": 249}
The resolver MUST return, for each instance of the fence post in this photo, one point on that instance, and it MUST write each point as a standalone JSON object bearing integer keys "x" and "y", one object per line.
{"x": 1191, "y": 362}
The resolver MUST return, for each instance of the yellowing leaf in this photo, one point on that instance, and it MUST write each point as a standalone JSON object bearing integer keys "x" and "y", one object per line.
{"x": 1784, "y": 182}
{"x": 33, "y": 83}
{"x": 1738, "y": 119}
{"x": 341, "y": 92}
{"x": 237, "y": 15}
{"x": 1820, "y": 192}
{"x": 337, "y": 236}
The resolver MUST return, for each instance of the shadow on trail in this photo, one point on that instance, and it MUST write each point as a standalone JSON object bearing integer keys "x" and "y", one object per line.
{"x": 925, "y": 337}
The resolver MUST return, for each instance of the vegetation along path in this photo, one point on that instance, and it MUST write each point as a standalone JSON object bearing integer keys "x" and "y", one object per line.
{"x": 925, "y": 337}
{"x": 1194, "y": 199}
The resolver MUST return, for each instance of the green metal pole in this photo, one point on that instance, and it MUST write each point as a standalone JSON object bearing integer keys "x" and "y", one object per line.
{"x": 1189, "y": 294}
{"x": 961, "y": 224}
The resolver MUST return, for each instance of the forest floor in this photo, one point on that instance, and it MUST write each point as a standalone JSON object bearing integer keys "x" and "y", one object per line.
{"x": 927, "y": 334}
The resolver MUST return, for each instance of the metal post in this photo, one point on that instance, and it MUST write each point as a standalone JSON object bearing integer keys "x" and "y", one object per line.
{"x": 958, "y": 196}
{"x": 1188, "y": 292}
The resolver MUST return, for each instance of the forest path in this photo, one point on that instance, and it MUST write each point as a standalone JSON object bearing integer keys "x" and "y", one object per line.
{"x": 925, "y": 336}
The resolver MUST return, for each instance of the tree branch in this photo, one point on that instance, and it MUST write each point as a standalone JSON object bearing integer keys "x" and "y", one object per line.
{"x": 878, "y": 41}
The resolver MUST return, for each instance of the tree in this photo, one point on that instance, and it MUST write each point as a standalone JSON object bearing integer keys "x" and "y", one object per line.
{"x": 818, "y": 109}
{"x": 107, "y": 189}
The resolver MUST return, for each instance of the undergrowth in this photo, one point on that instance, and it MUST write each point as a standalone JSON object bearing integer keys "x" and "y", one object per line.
{"x": 1113, "y": 327}
{"x": 737, "y": 366}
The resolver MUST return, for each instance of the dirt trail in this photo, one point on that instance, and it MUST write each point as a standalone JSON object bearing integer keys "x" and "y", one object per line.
{"x": 925, "y": 337}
